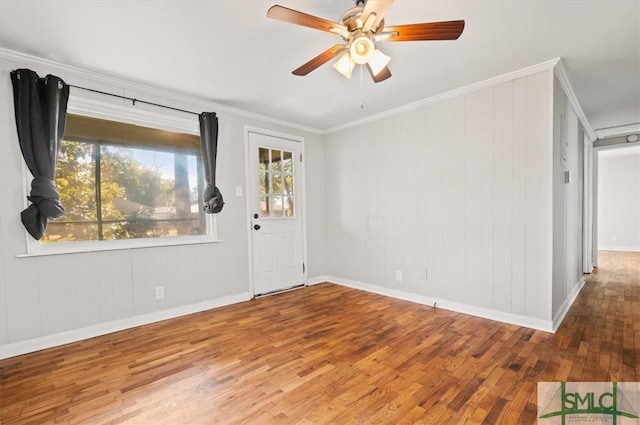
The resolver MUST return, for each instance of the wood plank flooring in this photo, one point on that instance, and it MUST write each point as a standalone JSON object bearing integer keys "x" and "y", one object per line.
{"x": 330, "y": 355}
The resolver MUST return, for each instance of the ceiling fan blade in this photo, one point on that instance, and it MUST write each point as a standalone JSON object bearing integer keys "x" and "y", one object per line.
{"x": 379, "y": 8}
{"x": 380, "y": 76}
{"x": 319, "y": 60}
{"x": 446, "y": 30}
{"x": 285, "y": 14}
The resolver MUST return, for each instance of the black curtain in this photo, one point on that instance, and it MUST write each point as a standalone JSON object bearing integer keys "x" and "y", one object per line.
{"x": 213, "y": 201}
{"x": 41, "y": 110}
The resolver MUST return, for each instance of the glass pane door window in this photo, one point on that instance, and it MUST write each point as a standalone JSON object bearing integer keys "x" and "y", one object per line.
{"x": 276, "y": 179}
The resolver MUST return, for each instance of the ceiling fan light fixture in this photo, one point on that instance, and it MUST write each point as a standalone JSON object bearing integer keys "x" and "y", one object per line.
{"x": 345, "y": 65}
{"x": 378, "y": 61}
{"x": 360, "y": 28}
{"x": 361, "y": 49}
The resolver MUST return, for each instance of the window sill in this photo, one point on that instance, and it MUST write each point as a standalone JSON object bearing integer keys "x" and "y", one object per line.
{"x": 37, "y": 249}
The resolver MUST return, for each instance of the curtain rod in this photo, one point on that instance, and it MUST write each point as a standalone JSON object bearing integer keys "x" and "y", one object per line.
{"x": 134, "y": 100}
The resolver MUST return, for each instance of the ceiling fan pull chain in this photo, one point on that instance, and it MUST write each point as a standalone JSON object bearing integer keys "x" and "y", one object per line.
{"x": 361, "y": 88}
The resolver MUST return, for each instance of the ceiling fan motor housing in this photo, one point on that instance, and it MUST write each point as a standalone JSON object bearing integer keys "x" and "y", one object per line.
{"x": 352, "y": 19}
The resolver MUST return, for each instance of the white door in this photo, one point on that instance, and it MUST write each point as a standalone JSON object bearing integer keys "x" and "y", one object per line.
{"x": 276, "y": 213}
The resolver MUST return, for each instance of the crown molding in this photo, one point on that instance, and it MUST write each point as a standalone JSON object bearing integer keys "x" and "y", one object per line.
{"x": 623, "y": 130}
{"x": 73, "y": 72}
{"x": 544, "y": 66}
{"x": 556, "y": 64}
{"x": 563, "y": 77}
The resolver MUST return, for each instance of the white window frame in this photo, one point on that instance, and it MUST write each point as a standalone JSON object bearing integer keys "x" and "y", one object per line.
{"x": 137, "y": 116}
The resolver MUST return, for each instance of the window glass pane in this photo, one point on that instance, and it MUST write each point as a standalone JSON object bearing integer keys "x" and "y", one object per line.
{"x": 75, "y": 179}
{"x": 276, "y": 160}
{"x": 264, "y": 206}
{"x": 288, "y": 185}
{"x": 288, "y": 206}
{"x": 59, "y": 231}
{"x": 142, "y": 192}
{"x": 276, "y": 181}
{"x": 287, "y": 162}
{"x": 276, "y": 206}
{"x": 264, "y": 183}
{"x": 263, "y": 159}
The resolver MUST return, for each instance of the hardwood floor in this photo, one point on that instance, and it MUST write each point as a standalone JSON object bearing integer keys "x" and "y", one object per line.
{"x": 330, "y": 355}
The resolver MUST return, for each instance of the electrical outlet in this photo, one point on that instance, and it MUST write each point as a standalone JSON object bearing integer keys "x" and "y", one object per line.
{"x": 398, "y": 276}
{"x": 423, "y": 274}
{"x": 614, "y": 238}
{"x": 159, "y": 292}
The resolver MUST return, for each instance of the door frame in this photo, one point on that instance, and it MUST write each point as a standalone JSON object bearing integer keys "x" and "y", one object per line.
{"x": 589, "y": 207}
{"x": 247, "y": 179}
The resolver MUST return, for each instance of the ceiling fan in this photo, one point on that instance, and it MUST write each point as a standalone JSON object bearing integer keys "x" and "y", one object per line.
{"x": 360, "y": 28}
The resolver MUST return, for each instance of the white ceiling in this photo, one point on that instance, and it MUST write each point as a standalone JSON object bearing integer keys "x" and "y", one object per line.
{"x": 230, "y": 53}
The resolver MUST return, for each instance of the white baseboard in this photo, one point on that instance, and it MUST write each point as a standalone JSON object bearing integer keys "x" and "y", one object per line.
{"x": 566, "y": 305}
{"x": 619, "y": 248}
{"x": 316, "y": 280}
{"x": 54, "y": 340}
{"x": 48, "y": 341}
{"x": 486, "y": 313}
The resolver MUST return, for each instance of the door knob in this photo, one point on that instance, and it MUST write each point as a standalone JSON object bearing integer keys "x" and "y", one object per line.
{"x": 256, "y": 226}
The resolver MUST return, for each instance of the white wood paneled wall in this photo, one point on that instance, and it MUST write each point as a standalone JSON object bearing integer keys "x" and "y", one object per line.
{"x": 52, "y": 299}
{"x": 461, "y": 188}
{"x": 567, "y": 201}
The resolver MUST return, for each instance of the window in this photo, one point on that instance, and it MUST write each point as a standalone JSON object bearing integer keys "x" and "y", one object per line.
{"x": 123, "y": 181}
{"x": 276, "y": 182}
